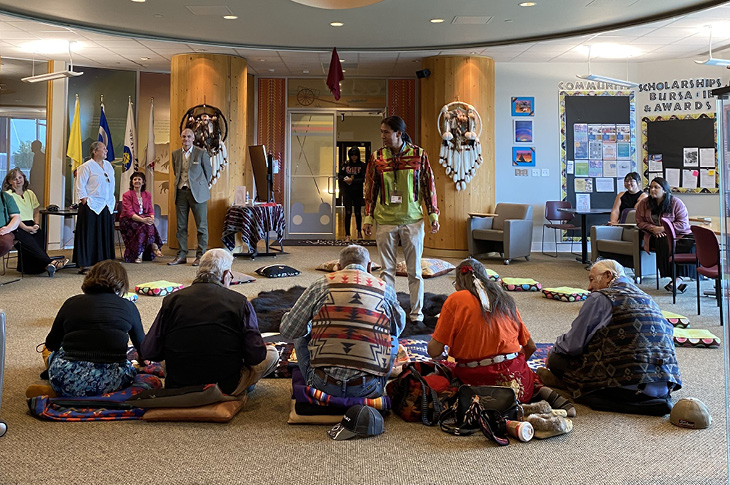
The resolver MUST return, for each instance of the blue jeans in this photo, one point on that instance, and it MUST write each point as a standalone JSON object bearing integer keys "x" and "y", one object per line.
{"x": 372, "y": 387}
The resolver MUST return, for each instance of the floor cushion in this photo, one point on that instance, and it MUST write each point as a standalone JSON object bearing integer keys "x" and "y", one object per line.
{"x": 676, "y": 319}
{"x": 220, "y": 412}
{"x": 520, "y": 284}
{"x": 430, "y": 267}
{"x": 158, "y": 288}
{"x": 695, "y": 337}
{"x": 240, "y": 278}
{"x": 565, "y": 293}
{"x": 334, "y": 265}
{"x": 296, "y": 418}
{"x": 131, "y": 296}
{"x": 277, "y": 271}
{"x": 491, "y": 274}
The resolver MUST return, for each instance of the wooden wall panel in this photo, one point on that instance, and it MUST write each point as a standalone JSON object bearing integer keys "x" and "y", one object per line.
{"x": 471, "y": 80}
{"x": 220, "y": 81}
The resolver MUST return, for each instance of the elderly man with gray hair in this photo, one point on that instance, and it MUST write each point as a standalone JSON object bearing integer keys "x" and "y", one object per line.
{"x": 618, "y": 354}
{"x": 207, "y": 333}
{"x": 345, "y": 328}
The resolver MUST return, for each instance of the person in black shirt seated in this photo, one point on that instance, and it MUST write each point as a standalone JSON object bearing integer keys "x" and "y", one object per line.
{"x": 628, "y": 199}
{"x": 89, "y": 336}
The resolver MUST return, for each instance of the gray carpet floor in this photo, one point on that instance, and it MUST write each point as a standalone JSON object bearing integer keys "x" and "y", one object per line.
{"x": 258, "y": 446}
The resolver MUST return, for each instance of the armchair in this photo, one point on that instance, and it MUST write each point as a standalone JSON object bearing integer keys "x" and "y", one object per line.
{"x": 508, "y": 233}
{"x": 624, "y": 245}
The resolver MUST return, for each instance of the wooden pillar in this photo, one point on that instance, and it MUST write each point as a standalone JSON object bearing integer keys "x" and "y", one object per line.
{"x": 470, "y": 80}
{"x": 219, "y": 81}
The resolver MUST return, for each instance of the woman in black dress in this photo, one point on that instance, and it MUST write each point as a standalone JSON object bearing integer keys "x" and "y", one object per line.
{"x": 627, "y": 199}
{"x": 352, "y": 178}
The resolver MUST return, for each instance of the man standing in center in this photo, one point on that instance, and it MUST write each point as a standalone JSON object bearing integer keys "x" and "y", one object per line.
{"x": 397, "y": 180}
{"x": 193, "y": 173}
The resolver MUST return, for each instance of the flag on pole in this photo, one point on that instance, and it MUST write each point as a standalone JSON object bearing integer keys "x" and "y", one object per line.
{"x": 105, "y": 136}
{"x": 335, "y": 75}
{"x": 74, "y": 151}
{"x": 129, "y": 160}
{"x": 150, "y": 156}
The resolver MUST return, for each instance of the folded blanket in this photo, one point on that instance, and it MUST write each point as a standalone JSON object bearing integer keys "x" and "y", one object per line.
{"x": 107, "y": 407}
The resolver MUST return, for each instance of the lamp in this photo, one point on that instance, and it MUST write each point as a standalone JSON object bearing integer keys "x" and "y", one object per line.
{"x": 50, "y": 76}
{"x": 597, "y": 77}
{"x": 711, "y": 61}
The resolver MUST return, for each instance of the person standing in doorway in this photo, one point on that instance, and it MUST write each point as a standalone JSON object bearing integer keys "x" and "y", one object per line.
{"x": 397, "y": 181}
{"x": 352, "y": 178}
{"x": 193, "y": 173}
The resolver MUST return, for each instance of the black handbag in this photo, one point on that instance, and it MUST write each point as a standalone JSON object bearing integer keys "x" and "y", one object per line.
{"x": 485, "y": 408}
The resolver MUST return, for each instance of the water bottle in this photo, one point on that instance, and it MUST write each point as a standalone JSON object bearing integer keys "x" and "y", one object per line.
{"x": 248, "y": 198}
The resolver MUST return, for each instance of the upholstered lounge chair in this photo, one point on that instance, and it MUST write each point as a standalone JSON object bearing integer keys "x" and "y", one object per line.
{"x": 624, "y": 244}
{"x": 508, "y": 233}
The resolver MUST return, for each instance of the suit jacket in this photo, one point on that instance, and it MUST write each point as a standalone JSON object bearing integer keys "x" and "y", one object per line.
{"x": 200, "y": 172}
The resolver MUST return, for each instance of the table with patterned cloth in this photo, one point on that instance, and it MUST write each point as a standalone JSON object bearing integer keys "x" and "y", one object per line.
{"x": 254, "y": 223}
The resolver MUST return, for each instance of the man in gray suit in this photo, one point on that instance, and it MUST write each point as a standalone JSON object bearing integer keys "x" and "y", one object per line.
{"x": 193, "y": 172}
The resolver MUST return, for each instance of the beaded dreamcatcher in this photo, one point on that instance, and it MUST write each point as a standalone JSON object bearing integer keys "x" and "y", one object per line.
{"x": 460, "y": 126}
{"x": 211, "y": 129}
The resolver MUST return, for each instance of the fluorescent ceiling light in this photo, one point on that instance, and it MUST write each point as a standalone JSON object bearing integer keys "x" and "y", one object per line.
{"x": 51, "y": 76}
{"x": 713, "y": 61}
{"x": 606, "y": 79}
{"x": 51, "y": 46}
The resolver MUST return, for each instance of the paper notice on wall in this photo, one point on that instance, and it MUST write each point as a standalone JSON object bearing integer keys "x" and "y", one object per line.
{"x": 689, "y": 179}
{"x": 691, "y": 157}
{"x": 604, "y": 185}
{"x": 609, "y": 150}
{"x": 672, "y": 177}
{"x": 655, "y": 163}
{"x": 707, "y": 179}
{"x": 583, "y": 202}
{"x": 707, "y": 157}
{"x": 623, "y": 133}
{"x": 623, "y": 167}
{"x": 623, "y": 150}
{"x": 581, "y": 168}
{"x": 595, "y": 150}
{"x": 609, "y": 168}
{"x": 569, "y": 167}
{"x": 595, "y": 168}
{"x": 583, "y": 185}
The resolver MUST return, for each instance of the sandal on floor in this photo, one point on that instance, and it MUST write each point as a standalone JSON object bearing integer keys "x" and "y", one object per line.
{"x": 60, "y": 263}
{"x": 681, "y": 288}
{"x": 138, "y": 260}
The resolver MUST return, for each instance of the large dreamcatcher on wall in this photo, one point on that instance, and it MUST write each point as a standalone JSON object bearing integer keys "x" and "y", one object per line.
{"x": 211, "y": 130}
{"x": 460, "y": 126}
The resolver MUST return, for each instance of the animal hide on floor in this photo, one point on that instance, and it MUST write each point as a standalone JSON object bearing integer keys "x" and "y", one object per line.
{"x": 271, "y": 306}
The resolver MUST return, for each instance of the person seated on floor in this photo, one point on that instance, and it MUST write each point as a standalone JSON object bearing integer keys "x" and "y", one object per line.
{"x": 345, "y": 328}
{"x": 33, "y": 257}
{"x": 207, "y": 333}
{"x": 485, "y": 334}
{"x": 618, "y": 354}
{"x": 89, "y": 336}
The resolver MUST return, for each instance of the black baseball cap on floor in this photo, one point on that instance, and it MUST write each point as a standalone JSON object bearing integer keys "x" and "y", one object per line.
{"x": 359, "y": 420}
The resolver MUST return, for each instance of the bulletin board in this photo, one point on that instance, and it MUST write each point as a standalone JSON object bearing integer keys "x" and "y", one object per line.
{"x": 592, "y": 108}
{"x": 675, "y": 143}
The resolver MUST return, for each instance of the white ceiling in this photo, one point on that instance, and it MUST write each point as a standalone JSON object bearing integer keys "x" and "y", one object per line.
{"x": 376, "y": 41}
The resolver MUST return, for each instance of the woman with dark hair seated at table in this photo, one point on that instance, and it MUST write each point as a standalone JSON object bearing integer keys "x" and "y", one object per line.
{"x": 89, "y": 336}
{"x": 137, "y": 222}
{"x": 649, "y": 214}
{"x": 628, "y": 199}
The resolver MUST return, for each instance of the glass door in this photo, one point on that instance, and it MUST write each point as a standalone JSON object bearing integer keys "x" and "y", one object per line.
{"x": 312, "y": 177}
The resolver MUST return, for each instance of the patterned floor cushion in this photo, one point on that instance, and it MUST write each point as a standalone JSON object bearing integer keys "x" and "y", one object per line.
{"x": 158, "y": 288}
{"x": 695, "y": 337}
{"x": 131, "y": 296}
{"x": 334, "y": 265}
{"x": 676, "y": 319}
{"x": 492, "y": 275}
{"x": 430, "y": 267}
{"x": 520, "y": 284}
{"x": 277, "y": 271}
{"x": 240, "y": 278}
{"x": 565, "y": 293}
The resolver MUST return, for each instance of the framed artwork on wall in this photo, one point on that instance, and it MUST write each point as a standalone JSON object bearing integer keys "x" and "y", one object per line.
{"x": 523, "y": 156}
{"x": 523, "y": 106}
{"x": 523, "y": 131}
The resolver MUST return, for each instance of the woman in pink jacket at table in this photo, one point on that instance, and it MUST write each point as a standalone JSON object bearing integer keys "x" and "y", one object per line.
{"x": 649, "y": 214}
{"x": 137, "y": 223}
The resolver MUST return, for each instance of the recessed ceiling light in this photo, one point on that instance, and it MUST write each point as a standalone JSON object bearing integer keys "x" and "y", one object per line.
{"x": 416, "y": 60}
{"x": 437, "y": 21}
{"x": 261, "y": 59}
{"x": 230, "y": 17}
{"x": 473, "y": 53}
{"x": 145, "y": 58}
{"x": 344, "y": 70}
{"x": 336, "y": 24}
{"x": 528, "y": 4}
{"x": 272, "y": 70}
{"x": 139, "y": 1}
{"x": 158, "y": 15}
{"x": 508, "y": 20}
{"x": 305, "y": 71}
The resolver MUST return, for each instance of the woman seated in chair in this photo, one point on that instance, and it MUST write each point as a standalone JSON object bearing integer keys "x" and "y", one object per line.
{"x": 628, "y": 199}
{"x": 649, "y": 214}
{"x": 33, "y": 258}
{"x": 89, "y": 336}
{"x": 485, "y": 334}
{"x": 137, "y": 223}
